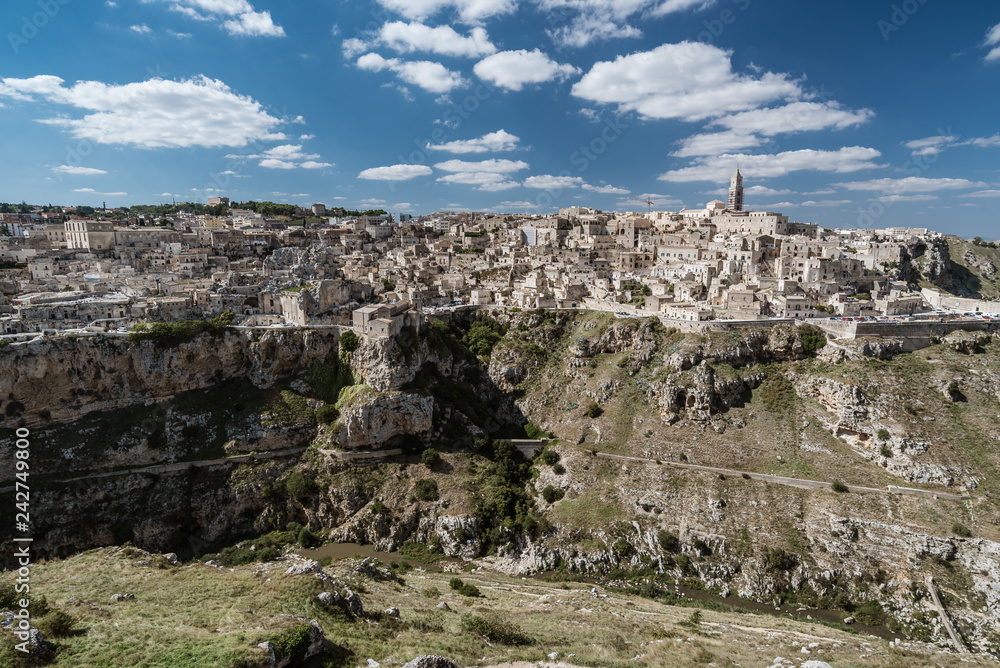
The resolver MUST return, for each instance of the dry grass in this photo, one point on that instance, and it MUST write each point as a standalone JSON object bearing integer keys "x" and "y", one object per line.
{"x": 197, "y": 615}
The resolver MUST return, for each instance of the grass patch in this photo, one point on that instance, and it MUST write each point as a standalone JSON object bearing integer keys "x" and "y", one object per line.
{"x": 496, "y": 628}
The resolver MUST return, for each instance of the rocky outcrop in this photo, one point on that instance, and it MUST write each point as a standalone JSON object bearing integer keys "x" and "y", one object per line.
{"x": 983, "y": 265}
{"x": 303, "y": 263}
{"x": 848, "y": 350}
{"x": 700, "y": 393}
{"x": 67, "y": 378}
{"x": 968, "y": 343}
{"x": 315, "y": 646}
{"x": 375, "y": 419}
{"x": 430, "y": 661}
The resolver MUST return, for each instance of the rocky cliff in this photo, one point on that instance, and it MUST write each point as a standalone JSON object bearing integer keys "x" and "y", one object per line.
{"x": 63, "y": 379}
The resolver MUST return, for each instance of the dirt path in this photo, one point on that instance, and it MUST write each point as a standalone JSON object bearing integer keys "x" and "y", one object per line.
{"x": 801, "y": 483}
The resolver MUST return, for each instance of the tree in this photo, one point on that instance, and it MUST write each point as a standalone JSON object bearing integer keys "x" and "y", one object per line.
{"x": 812, "y": 337}
{"x": 349, "y": 341}
{"x": 430, "y": 457}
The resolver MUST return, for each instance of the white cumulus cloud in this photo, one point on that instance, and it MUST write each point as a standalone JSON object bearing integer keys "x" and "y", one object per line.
{"x": 911, "y": 184}
{"x": 237, "y": 17}
{"x": 993, "y": 40}
{"x": 432, "y": 77}
{"x": 501, "y": 140}
{"x": 550, "y": 182}
{"x": 690, "y": 80}
{"x": 78, "y": 171}
{"x": 513, "y": 69}
{"x": 469, "y": 11}
{"x": 606, "y": 190}
{"x": 151, "y": 114}
{"x": 395, "y": 172}
{"x": 600, "y": 20}
{"x": 494, "y": 165}
{"x": 795, "y": 117}
{"x": 719, "y": 168}
{"x": 443, "y": 40}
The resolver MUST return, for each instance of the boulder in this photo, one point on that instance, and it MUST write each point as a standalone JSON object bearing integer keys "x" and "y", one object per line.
{"x": 430, "y": 661}
{"x": 354, "y": 604}
{"x": 122, "y": 597}
{"x": 392, "y": 612}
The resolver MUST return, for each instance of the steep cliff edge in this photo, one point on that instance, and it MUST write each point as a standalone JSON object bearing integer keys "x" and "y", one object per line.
{"x": 755, "y": 401}
{"x": 63, "y": 379}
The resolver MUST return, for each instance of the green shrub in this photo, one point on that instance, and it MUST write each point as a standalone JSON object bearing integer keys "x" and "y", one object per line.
{"x": 777, "y": 560}
{"x": 534, "y": 432}
{"x": 426, "y": 490}
{"x": 238, "y": 556}
{"x": 431, "y": 592}
{"x": 292, "y": 643}
{"x": 870, "y": 613}
{"x": 668, "y": 541}
{"x": 883, "y": 435}
{"x": 56, "y": 624}
{"x": 300, "y": 486}
{"x": 378, "y": 507}
{"x": 349, "y": 341}
{"x": 746, "y": 476}
{"x": 430, "y": 458}
{"x": 549, "y": 457}
{"x": 558, "y": 469}
{"x": 496, "y": 628}
{"x": 839, "y": 486}
{"x": 327, "y": 413}
{"x": 812, "y": 338}
{"x": 885, "y": 450}
{"x": 594, "y": 410}
{"x": 8, "y": 596}
{"x": 168, "y": 334}
{"x": 424, "y": 553}
{"x": 960, "y": 529}
{"x": 483, "y": 335}
{"x": 551, "y": 494}
{"x": 469, "y": 590}
{"x": 307, "y": 538}
{"x": 464, "y": 588}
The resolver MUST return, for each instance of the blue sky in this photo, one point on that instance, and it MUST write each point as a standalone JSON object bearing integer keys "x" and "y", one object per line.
{"x": 849, "y": 114}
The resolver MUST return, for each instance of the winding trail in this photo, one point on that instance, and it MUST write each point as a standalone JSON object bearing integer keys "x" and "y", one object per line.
{"x": 801, "y": 483}
{"x": 157, "y": 469}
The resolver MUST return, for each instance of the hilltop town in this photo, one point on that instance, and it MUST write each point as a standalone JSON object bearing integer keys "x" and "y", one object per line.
{"x": 723, "y": 262}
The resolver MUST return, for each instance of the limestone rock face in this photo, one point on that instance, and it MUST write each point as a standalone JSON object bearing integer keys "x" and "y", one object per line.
{"x": 305, "y": 263}
{"x": 982, "y": 264}
{"x": 72, "y": 377}
{"x": 883, "y": 348}
{"x": 968, "y": 343}
{"x": 382, "y": 417}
